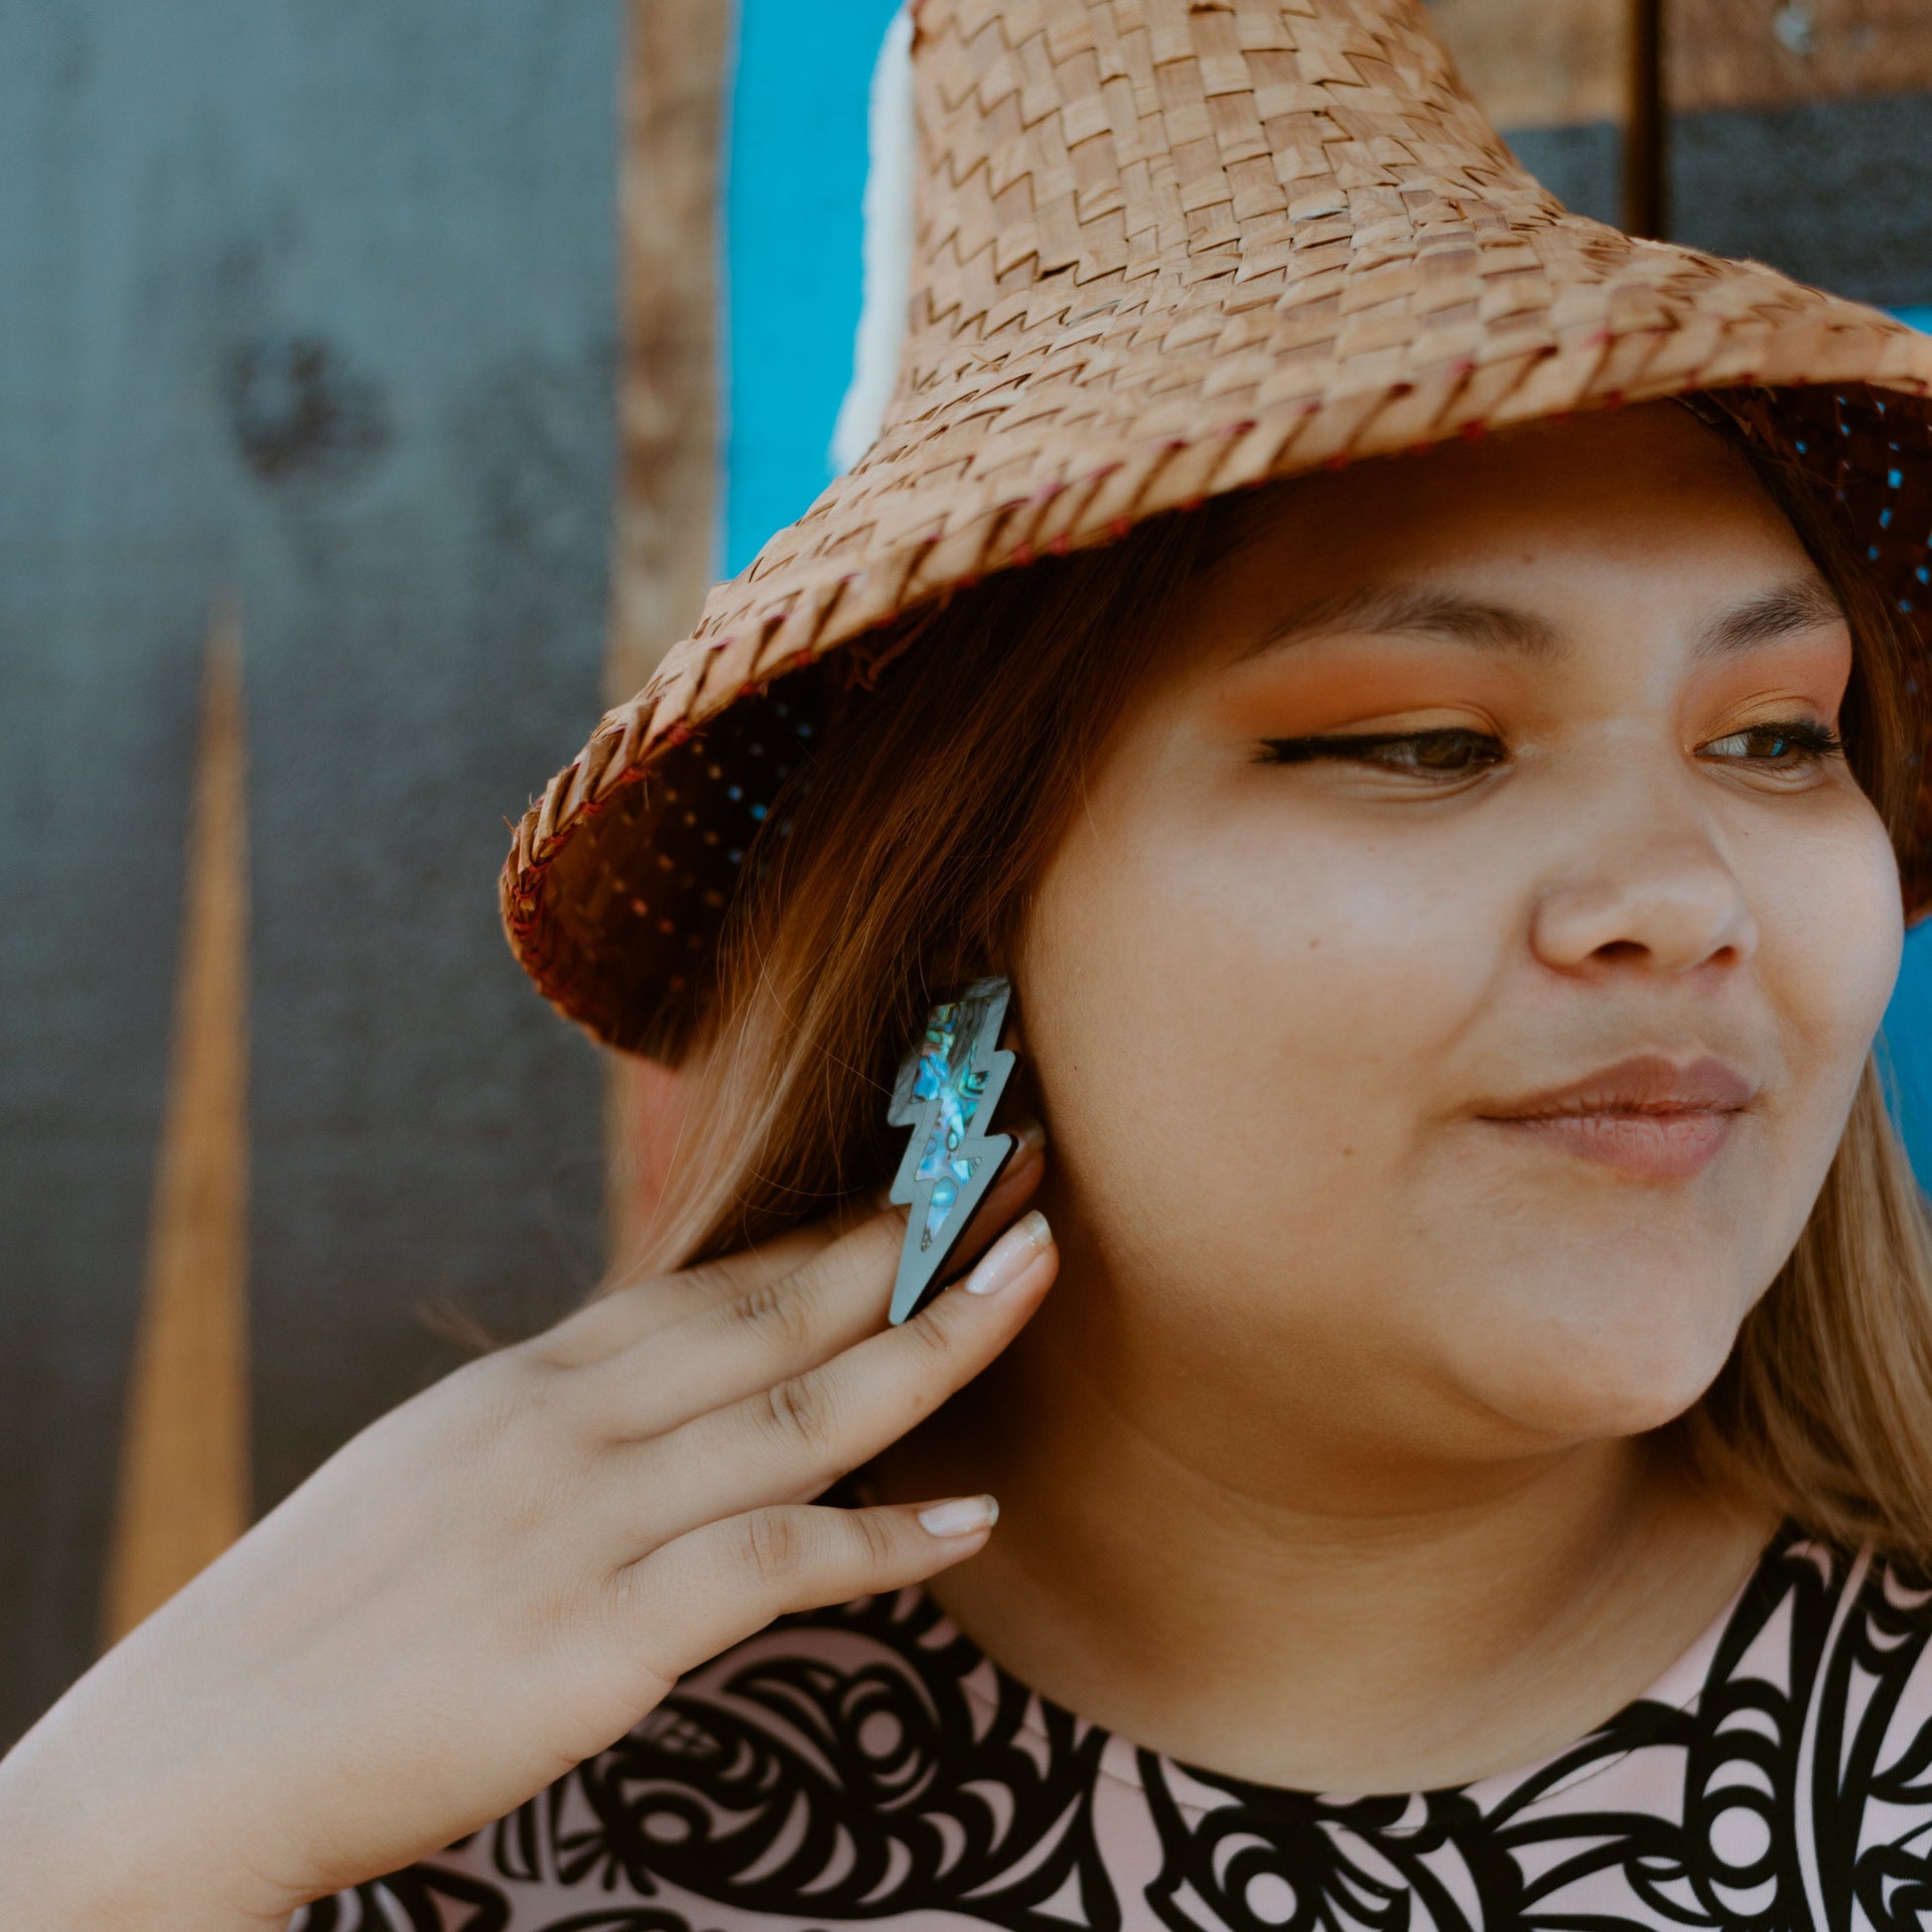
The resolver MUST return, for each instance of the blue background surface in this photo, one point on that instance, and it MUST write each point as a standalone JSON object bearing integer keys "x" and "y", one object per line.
{"x": 793, "y": 222}
{"x": 1908, "y": 1020}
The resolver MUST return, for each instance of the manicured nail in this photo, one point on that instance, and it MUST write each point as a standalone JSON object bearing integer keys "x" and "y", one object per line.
{"x": 960, "y": 1516}
{"x": 1011, "y": 1255}
{"x": 1028, "y": 1137}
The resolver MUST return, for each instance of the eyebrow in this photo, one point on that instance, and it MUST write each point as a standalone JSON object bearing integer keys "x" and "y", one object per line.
{"x": 1401, "y": 608}
{"x": 1789, "y": 609}
{"x": 1804, "y": 604}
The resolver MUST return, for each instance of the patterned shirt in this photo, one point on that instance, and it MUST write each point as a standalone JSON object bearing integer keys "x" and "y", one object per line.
{"x": 868, "y": 1764}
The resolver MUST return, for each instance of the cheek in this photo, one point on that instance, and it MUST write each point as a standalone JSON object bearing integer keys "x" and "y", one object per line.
{"x": 1262, "y": 1000}
{"x": 1831, "y": 937}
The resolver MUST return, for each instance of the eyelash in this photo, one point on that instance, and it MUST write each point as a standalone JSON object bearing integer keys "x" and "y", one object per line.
{"x": 1364, "y": 748}
{"x": 1431, "y": 752}
{"x": 1811, "y": 743}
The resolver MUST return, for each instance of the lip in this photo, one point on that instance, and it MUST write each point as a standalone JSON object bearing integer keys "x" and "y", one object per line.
{"x": 1646, "y": 1116}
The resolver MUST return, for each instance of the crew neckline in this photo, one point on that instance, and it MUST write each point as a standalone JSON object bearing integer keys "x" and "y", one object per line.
{"x": 1641, "y": 1720}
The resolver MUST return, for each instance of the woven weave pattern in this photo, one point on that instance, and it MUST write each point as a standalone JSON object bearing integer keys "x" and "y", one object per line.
{"x": 1167, "y": 248}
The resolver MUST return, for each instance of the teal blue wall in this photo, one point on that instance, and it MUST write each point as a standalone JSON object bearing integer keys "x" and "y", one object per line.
{"x": 1907, "y": 1046}
{"x": 796, "y": 176}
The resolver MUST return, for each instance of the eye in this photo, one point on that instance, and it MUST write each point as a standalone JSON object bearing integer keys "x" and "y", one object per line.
{"x": 1794, "y": 746}
{"x": 1451, "y": 752}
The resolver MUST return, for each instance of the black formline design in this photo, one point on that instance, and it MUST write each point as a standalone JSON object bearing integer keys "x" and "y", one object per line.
{"x": 781, "y": 1787}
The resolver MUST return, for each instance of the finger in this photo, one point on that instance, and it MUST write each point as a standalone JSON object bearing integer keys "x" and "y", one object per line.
{"x": 627, "y": 1314}
{"x": 733, "y": 1348}
{"x": 727, "y": 1349}
{"x": 788, "y": 1441}
{"x": 694, "y": 1598}
{"x": 1025, "y": 1168}
{"x": 633, "y": 1310}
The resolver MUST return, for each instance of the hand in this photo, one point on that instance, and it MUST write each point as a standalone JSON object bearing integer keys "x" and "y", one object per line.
{"x": 501, "y": 1578}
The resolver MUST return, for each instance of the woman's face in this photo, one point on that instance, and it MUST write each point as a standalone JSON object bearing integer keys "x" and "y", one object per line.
{"x": 1447, "y": 1003}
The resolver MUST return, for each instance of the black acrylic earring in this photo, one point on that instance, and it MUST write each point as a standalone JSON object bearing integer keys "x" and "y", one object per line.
{"x": 947, "y": 1088}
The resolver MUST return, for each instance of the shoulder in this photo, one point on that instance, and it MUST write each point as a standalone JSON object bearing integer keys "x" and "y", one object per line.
{"x": 1839, "y": 1635}
{"x": 1781, "y": 1771}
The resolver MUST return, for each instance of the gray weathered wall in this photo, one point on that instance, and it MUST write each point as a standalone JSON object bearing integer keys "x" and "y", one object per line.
{"x": 1835, "y": 192}
{"x": 314, "y": 307}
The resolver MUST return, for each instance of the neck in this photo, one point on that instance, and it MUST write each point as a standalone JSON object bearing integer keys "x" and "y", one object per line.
{"x": 1344, "y": 1619}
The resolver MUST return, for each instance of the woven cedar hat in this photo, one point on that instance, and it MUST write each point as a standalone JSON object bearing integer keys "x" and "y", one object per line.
{"x": 1167, "y": 248}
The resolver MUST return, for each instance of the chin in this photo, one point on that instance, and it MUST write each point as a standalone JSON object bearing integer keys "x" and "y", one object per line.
{"x": 1625, "y": 1372}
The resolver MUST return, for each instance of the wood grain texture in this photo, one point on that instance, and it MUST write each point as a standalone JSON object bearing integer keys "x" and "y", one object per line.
{"x": 1769, "y": 52}
{"x": 1563, "y": 62}
{"x": 669, "y": 425}
{"x": 668, "y": 385}
{"x": 1539, "y": 62}
{"x": 184, "y": 1482}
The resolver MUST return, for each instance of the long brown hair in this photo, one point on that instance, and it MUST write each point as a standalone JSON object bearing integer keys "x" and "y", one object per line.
{"x": 911, "y": 843}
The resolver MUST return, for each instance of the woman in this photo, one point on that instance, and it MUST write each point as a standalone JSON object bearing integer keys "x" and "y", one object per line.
{"x": 1476, "y": 1466}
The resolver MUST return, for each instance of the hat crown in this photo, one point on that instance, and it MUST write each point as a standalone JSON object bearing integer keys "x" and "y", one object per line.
{"x": 1096, "y": 143}
{"x": 1126, "y": 211}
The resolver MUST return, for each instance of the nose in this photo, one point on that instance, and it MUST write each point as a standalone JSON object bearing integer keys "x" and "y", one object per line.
{"x": 1661, "y": 898}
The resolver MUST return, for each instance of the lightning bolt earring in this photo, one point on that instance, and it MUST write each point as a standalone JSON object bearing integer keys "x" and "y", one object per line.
{"x": 948, "y": 1085}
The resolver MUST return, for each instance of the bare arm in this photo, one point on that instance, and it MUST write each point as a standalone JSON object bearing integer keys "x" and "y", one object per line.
{"x": 496, "y": 1580}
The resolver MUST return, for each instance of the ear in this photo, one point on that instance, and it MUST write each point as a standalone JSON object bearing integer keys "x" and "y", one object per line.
{"x": 1023, "y": 1095}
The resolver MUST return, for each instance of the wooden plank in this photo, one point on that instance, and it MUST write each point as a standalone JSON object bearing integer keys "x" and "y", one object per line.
{"x": 1645, "y": 197}
{"x": 1536, "y": 64}
{"x": 668, "y": 385}
{"x": 668, "y": 415}
{"x": 794, "y": 232}
{"x": 1801, "y": 134}
{"x": 184, "y": 1478}
{"x": 1768, "y": 53}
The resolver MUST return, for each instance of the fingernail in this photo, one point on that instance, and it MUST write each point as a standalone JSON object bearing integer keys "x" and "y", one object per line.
{"x": 960, "y": 1515}
{"x": 1028, "y": 1137}
{"x": 1011, "y": 1255}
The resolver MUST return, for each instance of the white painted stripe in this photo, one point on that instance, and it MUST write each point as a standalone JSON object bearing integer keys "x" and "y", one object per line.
{"x": 892, "y": 140}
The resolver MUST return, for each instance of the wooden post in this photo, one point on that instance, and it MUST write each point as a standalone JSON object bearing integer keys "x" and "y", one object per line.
{"x": 668, "y": 424}
{"x": 668, "y": 391}
{"x": 1646, "y": 199}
